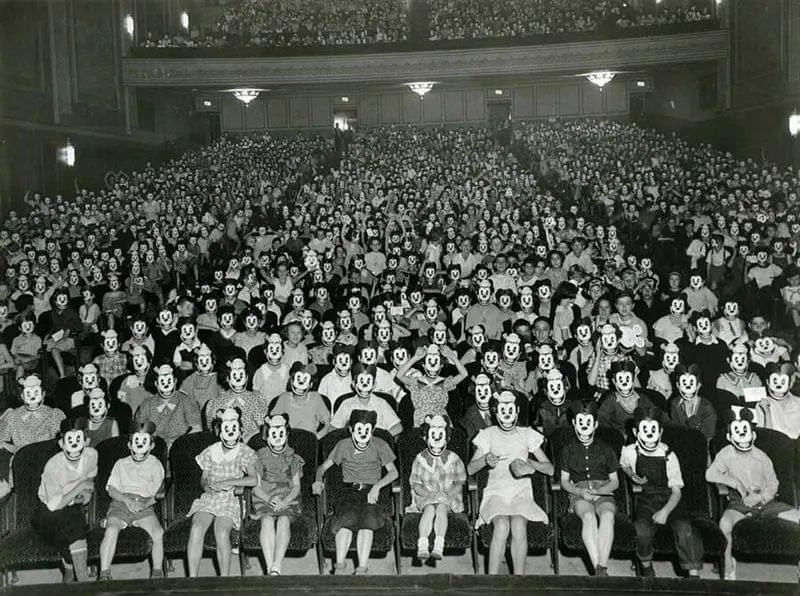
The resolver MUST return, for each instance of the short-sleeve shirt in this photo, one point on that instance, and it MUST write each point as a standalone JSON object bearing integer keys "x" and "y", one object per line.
{"x": 142, "y": 478}
{"x": 23, "y": 427}
{"x": 61, "y": 476}
{"x": 429, "y": 399}
{"x": 595, "y": 461}
{"x": 306, "y": 413}
{"x": 362, "y": 466}
{"x": 630, "y": 454}
{"x": 387, "y": 418}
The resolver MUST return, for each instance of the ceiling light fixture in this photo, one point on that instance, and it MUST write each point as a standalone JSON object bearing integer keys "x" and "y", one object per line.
{"x": 421, "y": 88}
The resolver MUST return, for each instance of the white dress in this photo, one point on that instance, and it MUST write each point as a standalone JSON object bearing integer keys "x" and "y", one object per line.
{"x": 504, "y": 494}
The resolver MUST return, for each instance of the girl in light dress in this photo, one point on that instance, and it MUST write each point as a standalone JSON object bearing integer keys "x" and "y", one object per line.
{"x": 226, "y": 465}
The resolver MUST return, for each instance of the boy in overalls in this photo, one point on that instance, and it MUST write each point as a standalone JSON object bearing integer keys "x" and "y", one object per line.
{"x": 654, "y": 466}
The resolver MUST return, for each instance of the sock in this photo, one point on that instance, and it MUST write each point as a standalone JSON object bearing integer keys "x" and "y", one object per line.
{"x": 438, "y": 544}
{"x": 423, "y": 544}
{"x": 79, "y": 563}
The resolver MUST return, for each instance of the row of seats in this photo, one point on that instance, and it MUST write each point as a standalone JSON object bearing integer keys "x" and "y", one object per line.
{"x": 763, "y": 539}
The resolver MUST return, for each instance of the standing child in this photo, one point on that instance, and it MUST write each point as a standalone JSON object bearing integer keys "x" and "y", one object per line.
{"x": 133, "y": 485}
{"x": 362, "y": 457}
{"x": 276, "y": 497}
{"x": 66, "y": 486}
{"x": 437, "y": 480}
{"x": 226, "y": 465}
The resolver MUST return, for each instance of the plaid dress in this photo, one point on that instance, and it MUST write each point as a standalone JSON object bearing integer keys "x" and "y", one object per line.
{"x": 440, "y": 476}
{"x": 222, "y": 464}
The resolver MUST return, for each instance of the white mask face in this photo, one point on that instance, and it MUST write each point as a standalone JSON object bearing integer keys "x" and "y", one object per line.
{"x": 546, "y": 361}
{"x": 301, "y": 383}
{"x": 110, "y": 345}
{"x": 583, "y": 333}
{"x": 484, "y": 294}
{"x": 731, "y": 310}
{"x": 230, "y": 432}
{"x": 483, "y": 393}
{"x": 32, "y": 397}
{"x": 140, "y": 445}
{"x": 688, "y": 385}
{"x": 670, "y": 361}
{"x": 677, "y": 307}
{"x": 623, "y": 383}
{"x": 511, "y": 350}
{"x": 437, "y": 440}
{"x": 237, "y": 378}
{"x": 274, "y": 352}
{"x": 739, "y": 362}
{"x": 584, "y": 425}
{"x": 73, "y": 443}
{"x": 555, "y": 391}
{"x": 369, "y": 355}
{"x": 89, "y": 380}
{"x": 507, "y": 414}
{"x": 361, "y": 434}
{"x": 165, "y": 385}
{"x": 703, "y": 326}
{"x": 609, "y": 342}
{"x": 328, "y": 335}
{"x": 363, "y": 384}
{"x": 98, "y": 408}
{"x": 741, "y": 435}
{"x": 490, "y": 361}
{"x": 342, "y": 363}
{"x": 277, "y": 438}
{"x": 778, "y": 385}
{"x": 648, "y": 434}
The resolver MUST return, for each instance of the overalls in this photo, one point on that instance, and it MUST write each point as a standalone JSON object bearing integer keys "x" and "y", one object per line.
{"x": 655, "y": 494}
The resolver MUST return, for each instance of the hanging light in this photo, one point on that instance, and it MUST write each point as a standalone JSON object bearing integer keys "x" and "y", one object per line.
{"x": 129, "y": 25}
{"x": 66, "y": 154}
{"x": 185, "y": 20}
{"x": 421, "y": 88}
{"x": 794, "y": 124}
{"x": 601, "y": 78}
{"x": 245, "y": 95}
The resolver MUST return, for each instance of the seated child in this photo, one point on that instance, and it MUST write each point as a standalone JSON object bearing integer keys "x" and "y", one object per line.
{"x": 66, "y": 487}
{"x": 437, "y": 481}
{"x": 362, "y": 458}
{"x": 507, "y": 500}
{"x": 652, "y": 465}
{"x": 101, "y": 425}
{"x": 747, "y": 470}
{"x": 133, "y": 485}
{"x": 305, "y": 409}
{"x": 26, "y": 347}
{"x": 226, "y": 465}
{"x": 276, "y": 497}
{"x": 591, "y": 490}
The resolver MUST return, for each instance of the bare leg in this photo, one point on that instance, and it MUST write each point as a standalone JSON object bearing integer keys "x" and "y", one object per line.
{"x": 267, "y": 539}
{"x": 109, "y": 544}
{"x": 519, "y": 543}
{"x": 589, "y": 531}
{"x": 440, "y": 529}
{"x": 425, "y": 527}
{"x": 497, "y": 548}
{"x": 222, "y": 534}
{"x": 56, "y": 354}
{"x": 152, "y": 526}
{"x": 283, "y": 534}
{"x": 605, "y": 537}
{"x": 344, "y": 538}
{"x": 364, "y": 547}
{"x": 194, "y": 550}
{"x": 729, "y": 519}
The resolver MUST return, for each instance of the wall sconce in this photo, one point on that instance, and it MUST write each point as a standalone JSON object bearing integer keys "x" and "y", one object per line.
{"x": 129, "y": 25}
{"x": 66, "y": 154}
{"x": 185, "y": 20}
{"x": 421, "y": 88}
{"x": 794, "y": 124}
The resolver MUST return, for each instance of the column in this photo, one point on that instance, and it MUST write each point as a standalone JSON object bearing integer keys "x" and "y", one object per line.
{"x": 60, "y": 53}
{"x": 793, "y": 43}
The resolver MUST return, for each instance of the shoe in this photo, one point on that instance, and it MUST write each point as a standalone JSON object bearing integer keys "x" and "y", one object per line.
{"x": 437, "y": 555}
{"x": 423, "y": 554}
{"x": 105, "y": 576}
{"x": 274, "y": 571}
{"x": 600, "y": 571}
{"x": 68, "y": 575}
{"x": 156, "y": 574}
{"x": 647, "y": 571}
{"x": 339, "y": 568}
{"x": 693, "y": 572}
{"x": 361, "y": 571}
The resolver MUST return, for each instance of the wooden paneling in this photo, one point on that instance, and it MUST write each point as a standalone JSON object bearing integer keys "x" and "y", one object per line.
{"x": 591, "y": 100}
{"x": 391, "y": 108}
{"x": 616, "y": 98}
{"x": 546, "y": 100}
{"x": 321, "y": 115}
{"x": 368, "y": 110}
{"x": 254, "y": 115}
{"x": 522, "y": 102}
{"x": 411, "y": 109}
{"x": 231, "y": 115}
{"x": 277, "y": 113}
{"x": 432, "y": 107}
{"x": 455, "y": 106}
{"x": 298, "y": 112}
{"x": 568, "y": 100}
{"x": 476, "y": 105}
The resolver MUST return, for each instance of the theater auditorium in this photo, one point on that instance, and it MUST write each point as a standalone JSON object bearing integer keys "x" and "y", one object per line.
{"x": 399, "y": 297}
